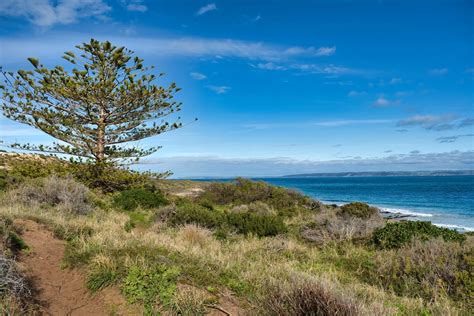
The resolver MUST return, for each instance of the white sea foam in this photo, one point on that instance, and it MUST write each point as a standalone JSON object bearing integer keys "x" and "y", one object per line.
{"x": 457, "y": 227}
{"x": 405, "y": 212}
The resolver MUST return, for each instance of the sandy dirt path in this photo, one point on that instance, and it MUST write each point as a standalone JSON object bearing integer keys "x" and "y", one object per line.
{"x": 63, "y": 291}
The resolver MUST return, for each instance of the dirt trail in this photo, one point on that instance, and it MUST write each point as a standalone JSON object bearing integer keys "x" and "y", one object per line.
{"x": 63, "y": 291}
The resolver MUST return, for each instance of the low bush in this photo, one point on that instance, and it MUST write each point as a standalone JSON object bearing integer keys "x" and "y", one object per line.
{"x": 358, "y": 209}
{"x": 256, "y": 224}
{"x": 151, "y": 286}
{"x": 429, "y": 269}
{"x": 333, "y": 224}
{"x": 65, "y": 193}
{"x": 3, "y": 180}
{"x": 303, "y": 296}
{"x": 243, "y": 221}
{"x": 395, "y": 235}
{"x": 129, "y": 200}
{"x": 10, "y": 241}
{"x": 108, "y": 177}
{"x": 243, "y": 191}
{"x": 190, "y": 213}
{"x": 257, "y": 207}
{"x": 12, "y": 284}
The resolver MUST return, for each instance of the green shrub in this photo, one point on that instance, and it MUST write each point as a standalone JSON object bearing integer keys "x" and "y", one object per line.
{"x": 3, "y": 180}
{"x": 395, "y": 235}
{"x": 10, "y": 240}
{"x": 358, "y": 209}
{"x": 108, "y": 178}
{"x": 150, "y": 286}
{"x": 190, "y": 213}
{"x": 429, "y": 269}
{"x": 243, "y": 191}
{"x": 129, "y": 200}
{"x": 257, "y": 224}
{"x": 100, "y": 279}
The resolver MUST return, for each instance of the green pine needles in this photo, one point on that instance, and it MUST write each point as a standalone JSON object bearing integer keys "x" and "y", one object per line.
{"x": 107, "y": 100}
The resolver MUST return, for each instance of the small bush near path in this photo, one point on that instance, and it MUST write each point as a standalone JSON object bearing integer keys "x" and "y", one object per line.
{"x": 64, "y": 193}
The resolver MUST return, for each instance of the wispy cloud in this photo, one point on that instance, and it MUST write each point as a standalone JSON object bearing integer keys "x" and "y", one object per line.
{"x": 452, "y": 139}
{"x": 47, "y": 13}
{"x": 198, "y": 75}
{"x": 207, "y": 8}
{"x": 15, "y": 48}
{"x": 436, "y": 123}
{"x": 382, "y": 101}
{"x": 136, "y": 5}
{"x": 438, "y": 71}
{"x": 355, "y": 93}
{"x": 327, "y": 123}
{"x": 396, "y": 81}
{"x": 309, "y": 68}
{"x": 219, "y": 89}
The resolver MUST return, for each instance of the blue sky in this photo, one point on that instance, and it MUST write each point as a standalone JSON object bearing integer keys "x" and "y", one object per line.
{"x": 280, "y": 86}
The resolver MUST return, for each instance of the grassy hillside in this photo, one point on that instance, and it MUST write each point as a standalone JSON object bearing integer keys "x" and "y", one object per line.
{"x": 189, "y": 248}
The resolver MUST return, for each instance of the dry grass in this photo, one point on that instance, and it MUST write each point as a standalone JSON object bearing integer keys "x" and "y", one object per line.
{"x": 307, "y": 279}
{"x": 433, "y": 269}
{"x": 332, "y": 225}
{"x": 15, "y": 293}
{"x": 66, "y": 193}
{"x": 302, "y": 296}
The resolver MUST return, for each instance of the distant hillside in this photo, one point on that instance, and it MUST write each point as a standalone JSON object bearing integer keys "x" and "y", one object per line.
{"x": 385, "y": 174}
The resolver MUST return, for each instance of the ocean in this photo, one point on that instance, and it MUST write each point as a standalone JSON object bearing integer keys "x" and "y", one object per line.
{"x": 446, "y": 201}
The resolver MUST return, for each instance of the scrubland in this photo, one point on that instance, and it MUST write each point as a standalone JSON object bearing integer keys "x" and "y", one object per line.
{"x": 241, "y": 247}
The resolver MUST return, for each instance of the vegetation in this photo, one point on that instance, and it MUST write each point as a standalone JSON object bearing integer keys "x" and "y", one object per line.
{"x": 106, "y": 100}
{"x": 275, "y": 252}
{"x": 147, "y": 198}
{"x": 395, "y": 235}
{"x": 358, "y": 209}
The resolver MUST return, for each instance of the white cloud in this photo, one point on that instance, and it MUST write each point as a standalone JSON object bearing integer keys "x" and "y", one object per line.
{"x": 17, "y": 49}
{"x": 257, "y": 18}
{"x": 198, "y": 76}
{"x": 137, "y": 7}
{"x": 219, "y": 89}
{"x": 382, "y": 102}
{"x": 207, "y": 8}
{"x": 439, "y": 71}
{"x": 437, "y": 122}
{"x": 452, "y": 139}
{"x": 396, "y": 81}
{"x": 337, "y": 123}
{"x": 354, "y": 93}
{"x": 46, "y": 12}
{"x": 327, "y": 123}
{"x": 269, "y": 66}
{"x": 313, "y": 51}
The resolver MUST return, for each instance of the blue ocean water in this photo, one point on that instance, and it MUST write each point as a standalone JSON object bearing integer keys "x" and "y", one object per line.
{"x": 446, "y": 201}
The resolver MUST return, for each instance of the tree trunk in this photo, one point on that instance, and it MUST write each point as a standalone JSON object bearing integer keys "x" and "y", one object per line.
{"x": 101, "y": 137}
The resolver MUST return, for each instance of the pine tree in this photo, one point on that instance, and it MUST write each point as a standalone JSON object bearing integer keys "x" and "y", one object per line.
{"x": 107, "y": 100}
